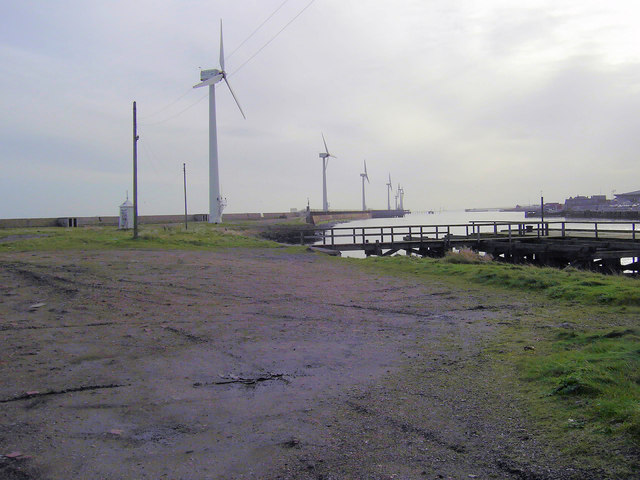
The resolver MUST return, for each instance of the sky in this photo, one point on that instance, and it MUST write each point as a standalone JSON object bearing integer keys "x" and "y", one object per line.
{"x": 465, "y": 104}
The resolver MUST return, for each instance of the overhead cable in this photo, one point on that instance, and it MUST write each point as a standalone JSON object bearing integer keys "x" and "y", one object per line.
{"x": 257, "y": 28}
{"x": 272, "y": 38}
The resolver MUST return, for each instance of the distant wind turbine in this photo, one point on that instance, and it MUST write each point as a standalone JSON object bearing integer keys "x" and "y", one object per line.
{"x": 401, "y": 196}
{"x": 364, "y": 175}
{"x": 325, "y": 160}
{"x": 389, "y": 189}
{"x": 209, "y": 78}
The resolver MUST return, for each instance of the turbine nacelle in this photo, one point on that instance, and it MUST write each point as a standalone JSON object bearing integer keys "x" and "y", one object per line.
{"x": 207, "y": 74}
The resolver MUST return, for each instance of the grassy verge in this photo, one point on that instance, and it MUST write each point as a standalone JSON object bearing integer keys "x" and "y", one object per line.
{"x": 197, "y": 237}
{"x": 570, "y": 284}
{"x": 573, "y": 359}
{"x": 595, "y": 375}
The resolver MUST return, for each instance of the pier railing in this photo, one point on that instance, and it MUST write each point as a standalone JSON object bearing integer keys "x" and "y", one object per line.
{"x": 480, "y": 230}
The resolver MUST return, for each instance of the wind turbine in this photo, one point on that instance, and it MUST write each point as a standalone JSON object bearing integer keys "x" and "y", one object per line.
{"x": 325, "y": 160}
{"x": 401, "y": 195}
{"x": 389, "y": 189}
{"x": 209, "y": 78}
{"x": 364, "y": 175}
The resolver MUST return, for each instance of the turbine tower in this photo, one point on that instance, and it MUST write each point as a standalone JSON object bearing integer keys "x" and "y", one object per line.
{"x": 209, "y": 78}
{"x": 389, "y": 189}
{"x": 325, "y": 160}
{"x": 401, "y": 196}
{"x": 364, "y": 175}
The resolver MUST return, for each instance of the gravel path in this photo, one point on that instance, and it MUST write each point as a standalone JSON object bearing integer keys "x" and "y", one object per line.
{"x": 249, "y": 364}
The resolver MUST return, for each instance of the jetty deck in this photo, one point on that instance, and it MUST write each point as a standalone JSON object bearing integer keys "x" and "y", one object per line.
{"x": 598, "y": 245}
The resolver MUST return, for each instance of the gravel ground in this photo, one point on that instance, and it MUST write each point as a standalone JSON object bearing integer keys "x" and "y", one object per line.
{"x": 250, "y": 364}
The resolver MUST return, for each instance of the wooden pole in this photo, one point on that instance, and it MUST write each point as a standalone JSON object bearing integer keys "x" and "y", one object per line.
{"x": 135, "y": 173}
{"x": 184, "y": 172}
{"x": 542, "y": 214}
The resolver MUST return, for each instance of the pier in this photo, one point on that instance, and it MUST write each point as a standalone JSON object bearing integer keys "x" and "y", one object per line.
{"x": 599, "y": 245}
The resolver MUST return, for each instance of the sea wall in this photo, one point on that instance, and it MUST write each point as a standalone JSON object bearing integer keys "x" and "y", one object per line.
{"x": 323, "y": 217}
{"x": 142, "y": 219}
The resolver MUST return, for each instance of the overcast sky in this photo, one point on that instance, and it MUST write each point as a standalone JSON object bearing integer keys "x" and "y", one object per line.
{"x": 464, "y": 103}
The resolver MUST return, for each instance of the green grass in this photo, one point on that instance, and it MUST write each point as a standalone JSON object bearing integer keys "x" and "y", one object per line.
{"x": 570, "y": 284}
{"x": 578, "y": 379}
{"x": 594, "y": 376}
{"x": 197, "y": 237}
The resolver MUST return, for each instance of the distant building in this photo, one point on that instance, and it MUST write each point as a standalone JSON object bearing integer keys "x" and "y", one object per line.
{"x": 629, "y": 197}
{"x": 594, "y": 202}
{"x": 553, "y": 207}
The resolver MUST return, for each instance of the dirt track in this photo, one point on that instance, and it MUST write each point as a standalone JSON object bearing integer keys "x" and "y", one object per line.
{"x": 249, "y": 364}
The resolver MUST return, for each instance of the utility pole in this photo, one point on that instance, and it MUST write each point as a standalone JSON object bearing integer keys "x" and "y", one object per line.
{"x": 542, "y": 213}
{"x": 135, "y": 173}
{"x": 184, "y": 173}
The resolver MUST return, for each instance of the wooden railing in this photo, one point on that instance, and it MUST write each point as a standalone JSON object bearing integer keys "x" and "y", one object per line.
{"x": 478, "y": 230}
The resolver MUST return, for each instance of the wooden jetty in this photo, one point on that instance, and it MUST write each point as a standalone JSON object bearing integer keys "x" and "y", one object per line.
{"x": 605, "y": 246}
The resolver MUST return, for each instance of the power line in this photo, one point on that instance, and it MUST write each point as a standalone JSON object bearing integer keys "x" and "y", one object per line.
{"x": 257, "y": 28}
{"x": 153, "y": 114}
{"x": 178, "y": 113}
{"x": 272, "y": 38}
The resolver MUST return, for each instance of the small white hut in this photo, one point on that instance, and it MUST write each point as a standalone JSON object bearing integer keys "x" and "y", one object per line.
{"x": 126, "y": 215}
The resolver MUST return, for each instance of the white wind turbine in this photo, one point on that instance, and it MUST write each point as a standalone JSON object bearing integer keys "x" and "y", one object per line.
{"x": 364, "y": 175}
{"x": 209, "y": 78}
{"x": 325, "y": 160}
{"x": 389, "y": 190}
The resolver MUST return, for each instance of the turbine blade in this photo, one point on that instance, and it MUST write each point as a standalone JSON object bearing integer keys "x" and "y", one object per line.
{"x": 209, "y": 81}
{"x": 221, "y": 49}
{"x": 234, "y": 96}
{"x": 365, "y": 169}
{"x": 326, "y": 150}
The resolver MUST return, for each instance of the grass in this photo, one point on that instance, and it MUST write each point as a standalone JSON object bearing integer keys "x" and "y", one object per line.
{"x": 595, "y": 376}
{"x": 570, "y": 284}
{"x": 579, "y": 377}
{"x": 197, "y": 237}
